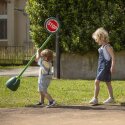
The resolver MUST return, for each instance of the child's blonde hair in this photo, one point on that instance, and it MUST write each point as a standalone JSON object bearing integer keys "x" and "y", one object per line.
{"x": 101, "y": 33}
{"x": 48, "y": 54}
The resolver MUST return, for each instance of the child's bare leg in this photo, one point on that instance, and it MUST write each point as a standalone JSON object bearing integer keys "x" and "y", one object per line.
{"x": 48, "y": 96}
{"x": 50, "y": 99}
{"x": 97, "y": 88}
{"x": 42, "y": 97}
{"x": 110, "y": 90}
{"x": 94, "y": 100}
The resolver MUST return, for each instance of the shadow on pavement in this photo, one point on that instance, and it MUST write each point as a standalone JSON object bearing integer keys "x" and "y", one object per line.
{"x": 111, "y": 107}
{"x": 81, "y": 107}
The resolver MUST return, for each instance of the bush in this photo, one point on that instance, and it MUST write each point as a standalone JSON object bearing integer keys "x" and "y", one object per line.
{"x": 79, "y": 19}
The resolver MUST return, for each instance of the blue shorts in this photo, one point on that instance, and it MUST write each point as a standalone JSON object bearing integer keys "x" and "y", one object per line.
{"x": 43, "y": 82}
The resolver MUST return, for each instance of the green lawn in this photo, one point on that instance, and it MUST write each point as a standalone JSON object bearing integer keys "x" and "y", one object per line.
{"x": 65, "y": 92}
{"x": 12, "y": 67}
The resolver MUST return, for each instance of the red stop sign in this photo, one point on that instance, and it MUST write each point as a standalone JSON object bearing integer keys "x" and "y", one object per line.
{"x": 52, "y": 25}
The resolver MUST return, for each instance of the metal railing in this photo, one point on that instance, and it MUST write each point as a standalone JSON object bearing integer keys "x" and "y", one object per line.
{"x": 15, "y": 54}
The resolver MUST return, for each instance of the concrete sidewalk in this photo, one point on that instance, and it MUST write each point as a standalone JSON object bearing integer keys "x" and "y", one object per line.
{"x": 30, "y": 71}
{"x": 63, "y": 115}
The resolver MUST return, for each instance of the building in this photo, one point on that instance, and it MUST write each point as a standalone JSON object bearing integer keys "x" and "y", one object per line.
{"x": 14, "y": 30}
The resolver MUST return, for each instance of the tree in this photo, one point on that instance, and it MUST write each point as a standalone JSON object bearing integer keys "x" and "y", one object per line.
{"x": 79, "y": 19}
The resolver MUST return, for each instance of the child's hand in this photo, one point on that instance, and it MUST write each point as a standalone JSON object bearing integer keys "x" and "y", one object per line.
{"x": 38, "y": 50}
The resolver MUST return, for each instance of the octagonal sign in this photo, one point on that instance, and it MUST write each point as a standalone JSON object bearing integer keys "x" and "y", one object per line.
{"x": 52, "y": 25}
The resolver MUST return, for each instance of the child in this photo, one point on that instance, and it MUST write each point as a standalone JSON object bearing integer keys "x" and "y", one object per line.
{"x": 44, "y": 59}
{"x": 106, "y": 64}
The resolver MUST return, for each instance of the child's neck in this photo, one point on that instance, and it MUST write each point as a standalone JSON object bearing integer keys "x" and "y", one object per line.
{"x": 104, "y": 43}
{"x": 46, "y": 60}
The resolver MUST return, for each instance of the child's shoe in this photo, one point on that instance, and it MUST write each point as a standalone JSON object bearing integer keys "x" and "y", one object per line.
{"x": 51, "y": 104}
{"x": 40, "y": 104}
{"x": 109, "y": 100}
{"x": 94, "y": 101}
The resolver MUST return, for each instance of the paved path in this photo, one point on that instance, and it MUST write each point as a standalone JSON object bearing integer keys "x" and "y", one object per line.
{"x": 30, "y": 71}
{"x": 64, "y": 115}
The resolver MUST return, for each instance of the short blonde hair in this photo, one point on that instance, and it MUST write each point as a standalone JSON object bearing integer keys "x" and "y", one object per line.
{"x": 101, "y": 33}
{"x": 47, "y": 53}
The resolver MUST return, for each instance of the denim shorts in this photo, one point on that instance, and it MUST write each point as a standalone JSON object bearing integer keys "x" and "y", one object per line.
{"x": 43, "y": 82}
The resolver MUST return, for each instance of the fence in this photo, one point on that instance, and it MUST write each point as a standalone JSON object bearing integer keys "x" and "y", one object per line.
{"x": 15, "y": 54}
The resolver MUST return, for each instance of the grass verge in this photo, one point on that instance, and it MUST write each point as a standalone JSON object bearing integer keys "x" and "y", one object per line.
{"x": 65, "y": 92}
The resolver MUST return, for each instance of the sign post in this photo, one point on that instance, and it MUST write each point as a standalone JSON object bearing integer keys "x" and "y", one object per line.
{"x": 52, "y": 25}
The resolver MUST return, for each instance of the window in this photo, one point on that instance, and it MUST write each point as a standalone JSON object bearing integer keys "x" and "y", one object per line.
{"x": 3, "y": 19}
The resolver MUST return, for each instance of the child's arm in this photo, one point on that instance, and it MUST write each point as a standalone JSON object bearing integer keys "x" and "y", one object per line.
{"x": 110, "y": 50}
{"x": 37, "y": 55}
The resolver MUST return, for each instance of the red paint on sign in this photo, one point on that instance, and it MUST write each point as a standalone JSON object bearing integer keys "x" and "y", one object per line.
{"x": 52, "y": 25}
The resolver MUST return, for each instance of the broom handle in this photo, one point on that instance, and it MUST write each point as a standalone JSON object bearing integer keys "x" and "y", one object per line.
{"x": 33, "y": 57}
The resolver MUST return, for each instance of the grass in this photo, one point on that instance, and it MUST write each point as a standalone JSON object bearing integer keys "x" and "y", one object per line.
{"x": 65, "y": 92}
{"x": 12, "y": 67}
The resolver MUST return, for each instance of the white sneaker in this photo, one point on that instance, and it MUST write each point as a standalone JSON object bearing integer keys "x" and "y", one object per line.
{"x": 94, "y": 101}
{"x": 109, "y": 100}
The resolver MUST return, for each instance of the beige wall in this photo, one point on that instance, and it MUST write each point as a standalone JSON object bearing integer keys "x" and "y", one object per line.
{"x": 17, "y": 45}
{"x": 17, "y": 24}
{"x": 21, "y": 23}
{"x": 84, "y": 67}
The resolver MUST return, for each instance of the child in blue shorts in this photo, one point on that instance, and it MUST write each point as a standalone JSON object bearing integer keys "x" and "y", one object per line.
{"x": 44, "y": 59}
{"x": 106, "y": 63}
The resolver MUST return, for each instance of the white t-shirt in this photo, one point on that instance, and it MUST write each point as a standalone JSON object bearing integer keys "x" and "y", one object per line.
{"x": 105, "y": 52}
{"x": 45, "y": 67}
